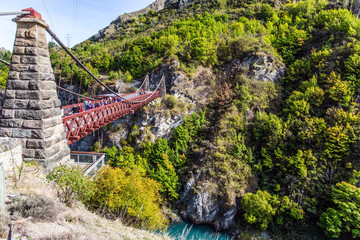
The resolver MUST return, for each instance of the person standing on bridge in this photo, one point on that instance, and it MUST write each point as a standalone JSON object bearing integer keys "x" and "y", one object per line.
{"x": 86, "y": 104}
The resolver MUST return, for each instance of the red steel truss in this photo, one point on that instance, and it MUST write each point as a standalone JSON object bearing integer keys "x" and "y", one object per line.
{"x": 81, "y": 124}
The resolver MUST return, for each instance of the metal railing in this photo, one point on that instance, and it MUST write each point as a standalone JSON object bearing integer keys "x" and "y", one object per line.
{"x": 90, "y": 162}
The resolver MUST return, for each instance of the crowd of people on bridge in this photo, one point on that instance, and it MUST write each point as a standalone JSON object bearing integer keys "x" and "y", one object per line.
{"x": 89, "y": 105}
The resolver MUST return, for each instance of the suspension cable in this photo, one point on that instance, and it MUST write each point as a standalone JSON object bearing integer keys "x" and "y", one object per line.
{"x": 4, "y": 62}
{"x": 87, "y": 70}
{"x": 78, "y": 61}
{"x": 146, "y": 79}
{"x": 79, "y": 95}
{"x": 81, "y": 64}
{"x": 162, "y": 79}
{"x": 72, "y": 75}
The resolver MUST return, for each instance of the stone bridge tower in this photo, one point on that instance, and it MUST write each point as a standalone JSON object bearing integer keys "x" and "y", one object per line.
{"x": 31, "y": 109}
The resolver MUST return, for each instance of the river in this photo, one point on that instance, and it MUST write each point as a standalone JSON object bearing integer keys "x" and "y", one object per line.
{"x": 185, "y": 231}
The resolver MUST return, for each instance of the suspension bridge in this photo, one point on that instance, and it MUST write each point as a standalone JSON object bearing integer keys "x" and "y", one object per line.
{"x": 31, "y": 109}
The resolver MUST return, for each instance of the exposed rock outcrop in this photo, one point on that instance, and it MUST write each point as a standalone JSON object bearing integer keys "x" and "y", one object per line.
{"x": 204, "y": 199}
{"x": 189, "y": 94}
{"x": 259, "y": 66}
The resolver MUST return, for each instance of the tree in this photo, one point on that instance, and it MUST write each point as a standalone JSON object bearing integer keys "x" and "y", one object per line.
{"x": 258, "y": 208}
{"x": 262, "y": 208}
{"x": 266, "y": 12}
{"x": 162, "y": 161}
{"x": 344, "y": 217}
{"x": 128, "y": 193}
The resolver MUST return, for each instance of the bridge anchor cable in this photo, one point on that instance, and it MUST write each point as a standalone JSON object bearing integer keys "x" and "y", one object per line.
{"x": 89, "y": 72}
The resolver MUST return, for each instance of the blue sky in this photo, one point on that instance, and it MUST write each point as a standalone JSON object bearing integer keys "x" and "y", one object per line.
{"x": 78, "y": 18}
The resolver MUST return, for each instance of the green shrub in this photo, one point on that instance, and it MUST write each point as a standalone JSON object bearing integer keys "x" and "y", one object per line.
{"x": 70, "y": 183}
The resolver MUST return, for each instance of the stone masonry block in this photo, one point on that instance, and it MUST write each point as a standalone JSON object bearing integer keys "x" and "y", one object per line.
{"x": 25, "y": 94}
{"x": 5, "y": 132}
{"x": 63, "y": 134}
{"x": 29, "y": 34}
{"x": 19, "y": 67}
{"x": 52, "y": 122}
{"x": 62, "y": 157}
{"x": 40, "y": 69}
{"x": 32, "y": 51}
{"x": 41, "y": 104}
{"x": 41, "y": 43}
{"x": 33, "y": 85}
{"x": 7, "y": 113}
{"x": 29, "y": 60}
{"x": 45, "y": 143}
{"x": 19, "y": 50}
{"x": 25, "y": 42}
{"x": 47, "y": 77}
{"x": 10, "y": 93}
{"x": 41, "y": 35}
{"x": 32, "y": 124}
{"x": 47, "y": 85}
{"x": 43, "y": 52}
{"x": 17, "y": 85}
{"x": 48, "y": 94}
{"x": 34, "y": 68}
{"x": 13, "y": 75}
{"x": 13, "y": 123}
{"x": 46, "y": 153}
{"x": 15, "y": 59}
{"x": 44, "y": 61}
{"x": 21, "y": 133}
{"x": 57, "y": 103}
{"x": 59, "y": 129}
{"x": 38, "y": 134}
{"x": 29, "y": 153}
{"x": 26, "y": 32}
{"x": 15, "y": 104}
{"x": 42, "y": 134}
{"x": 30, "y": 114}
{"x": 45, "y": 69}
{"x": 39, "y": 144}
{"x": 29, "y": 76}
{"x": 53, "y": 112}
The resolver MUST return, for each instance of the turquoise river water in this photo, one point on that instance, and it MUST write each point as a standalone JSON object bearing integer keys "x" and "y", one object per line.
{"x": 185, "y": 231}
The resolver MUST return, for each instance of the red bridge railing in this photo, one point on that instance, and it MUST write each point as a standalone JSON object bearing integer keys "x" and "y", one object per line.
{"x": 81, "y": 124}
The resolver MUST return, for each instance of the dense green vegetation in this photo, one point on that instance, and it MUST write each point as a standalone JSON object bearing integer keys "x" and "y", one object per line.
{"x": 6, "y": 55}
{"x": 294, "y": 143}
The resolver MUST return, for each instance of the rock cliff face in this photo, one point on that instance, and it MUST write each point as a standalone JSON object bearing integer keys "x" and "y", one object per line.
{"x": 259, "y": 67}
{"x": 201, "y": 201}
{"x": 189, "y": 94}
{"x": 203, "y": 205}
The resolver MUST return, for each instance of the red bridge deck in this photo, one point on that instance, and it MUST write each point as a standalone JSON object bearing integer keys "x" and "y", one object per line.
{"x": 81, "y": 124}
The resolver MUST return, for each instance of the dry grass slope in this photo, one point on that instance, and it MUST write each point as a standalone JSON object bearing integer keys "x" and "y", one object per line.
{"x": 54, "y": 220}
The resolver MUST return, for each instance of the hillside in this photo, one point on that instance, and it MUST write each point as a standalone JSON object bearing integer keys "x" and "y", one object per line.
{"x": 259, "y": 129}
{"x": 36, "y": 213}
